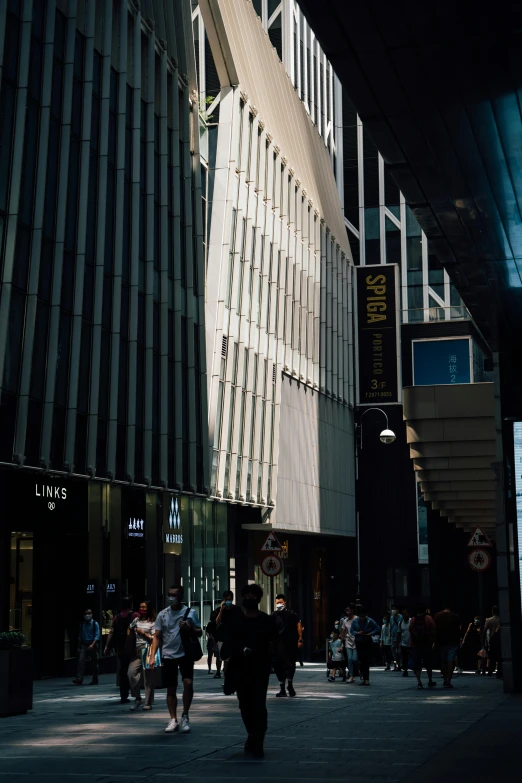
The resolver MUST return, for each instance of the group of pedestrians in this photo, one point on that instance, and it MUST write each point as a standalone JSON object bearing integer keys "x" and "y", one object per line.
{"x": 247, "y": 643}
{"x": 410, "y": 643}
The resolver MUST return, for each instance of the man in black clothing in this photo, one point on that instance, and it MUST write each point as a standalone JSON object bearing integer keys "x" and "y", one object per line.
{"x": 124, "y": 644}
{"x": 287, "y": 647}
{"x": 246, "y": 641}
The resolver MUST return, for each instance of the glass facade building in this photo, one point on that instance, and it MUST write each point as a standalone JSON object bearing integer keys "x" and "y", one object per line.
{"x": 103, "y": 407}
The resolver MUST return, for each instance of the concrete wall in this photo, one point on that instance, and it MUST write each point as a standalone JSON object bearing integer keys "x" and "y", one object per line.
{"x": 316, "y": 477}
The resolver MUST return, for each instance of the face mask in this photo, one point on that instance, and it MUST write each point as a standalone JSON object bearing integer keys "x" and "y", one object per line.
{"x": 87, "y": 616}
{"x": 477, "y": 622}
{"x": 143, "y": 612}
{"x": 385, "y": 620}
{"x": 173, "y": 600}
{"x": 250, "y": 603}
{"x": 394, "y": 612}
{"x": 280, "y": 607}
{"x": 228, "y": 603}
{"x": 336, "y": 625}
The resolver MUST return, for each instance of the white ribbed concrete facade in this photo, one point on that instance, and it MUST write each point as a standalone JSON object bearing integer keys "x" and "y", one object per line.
{"x": 278, "y": 298}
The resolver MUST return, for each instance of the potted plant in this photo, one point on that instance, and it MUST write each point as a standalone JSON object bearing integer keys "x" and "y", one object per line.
{"x": 16, "y": 674}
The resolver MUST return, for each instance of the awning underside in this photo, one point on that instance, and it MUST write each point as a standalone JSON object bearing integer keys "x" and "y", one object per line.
{"x": 451, "y": 434}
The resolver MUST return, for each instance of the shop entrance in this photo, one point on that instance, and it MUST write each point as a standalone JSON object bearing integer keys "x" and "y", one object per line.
{"x": 21, "y": 584}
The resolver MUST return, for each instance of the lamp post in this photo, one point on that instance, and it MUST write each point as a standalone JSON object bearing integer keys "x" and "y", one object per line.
{"x": 387, "y": 436}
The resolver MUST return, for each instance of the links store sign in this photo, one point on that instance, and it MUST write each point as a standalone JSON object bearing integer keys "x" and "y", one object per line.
{"x": 377, "y": 346}
{"x": 50, "y": 494}
{"x": 43, "y": 499}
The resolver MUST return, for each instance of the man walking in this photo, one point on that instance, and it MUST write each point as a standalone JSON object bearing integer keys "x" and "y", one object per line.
{"x": 448, "y": 641}
{"x": 174, "y": 628}
{"x": 349, "y": 642}
{"x": 422, "y": 637}
{"x": 366, "y": 632}
{"x": 287, "y": 648}
{"x": 123, "y": 644}
{"x": 88, "y": 640}
{"x": 246, "y": 644}
{"x": 404, "y": 640}
{"x": 395, "y": 622}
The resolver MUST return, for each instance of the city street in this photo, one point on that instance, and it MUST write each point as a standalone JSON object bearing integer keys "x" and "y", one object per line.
{"x": 388, "y": 732}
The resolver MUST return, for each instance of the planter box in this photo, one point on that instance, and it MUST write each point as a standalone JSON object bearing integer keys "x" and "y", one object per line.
{"x": 16, "y": 674}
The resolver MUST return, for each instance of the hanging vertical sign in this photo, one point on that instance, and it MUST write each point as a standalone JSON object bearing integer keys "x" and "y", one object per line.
{"x": 377, "y": 344}
{"x": 172, "y": 532}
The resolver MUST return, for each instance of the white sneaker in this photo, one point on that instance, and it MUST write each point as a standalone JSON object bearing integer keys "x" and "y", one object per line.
{"x": 172, "y": 726}
{"x": 184, "y": 724}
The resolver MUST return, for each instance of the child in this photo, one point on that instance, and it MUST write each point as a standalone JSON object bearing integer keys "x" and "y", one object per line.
{"x": 336, "y": 651}
{"x": 386, "y": 641}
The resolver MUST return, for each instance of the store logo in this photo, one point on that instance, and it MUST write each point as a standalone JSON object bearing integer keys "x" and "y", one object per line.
{"x": 51, "y": 505}
{"x": 46, "y": 491}
{"x": 174, "y": 517}
{"x": 174, "y": 523}
{"x": 136, "y": 528}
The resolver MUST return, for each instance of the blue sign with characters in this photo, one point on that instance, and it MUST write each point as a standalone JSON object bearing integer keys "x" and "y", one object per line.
{"x": 437, "y": 362}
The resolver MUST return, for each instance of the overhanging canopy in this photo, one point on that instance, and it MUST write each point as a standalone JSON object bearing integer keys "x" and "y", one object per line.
{"x": 451, "y": 433}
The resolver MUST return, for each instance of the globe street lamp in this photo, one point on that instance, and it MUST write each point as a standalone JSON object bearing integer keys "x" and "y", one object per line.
{"x": 386, "y": 436}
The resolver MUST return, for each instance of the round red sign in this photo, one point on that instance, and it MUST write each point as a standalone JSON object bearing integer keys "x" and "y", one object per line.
{"x": 271, "y": 565}
{"x": 479, "y": 559}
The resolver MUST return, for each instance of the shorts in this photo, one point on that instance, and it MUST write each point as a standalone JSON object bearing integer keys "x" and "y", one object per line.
{"x": 448, "y": 653}
{"x": 420, "y": 657}
{"x": 214, "y": 647}
{"x": 170, "y": 671}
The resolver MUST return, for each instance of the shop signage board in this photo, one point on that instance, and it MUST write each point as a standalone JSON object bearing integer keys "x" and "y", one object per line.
{"x": 136, "y": 527}
{"x": 479, "y": 538}
{"x": 479, "y": 560}
{"x": 378, "y": 335}
{"x": 271, "y": 544}
{"x": 271, "y": 565}
{"x": 172, "y": 532}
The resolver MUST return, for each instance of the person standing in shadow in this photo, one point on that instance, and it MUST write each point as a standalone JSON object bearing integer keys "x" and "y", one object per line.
{"x": 246, "y": 641}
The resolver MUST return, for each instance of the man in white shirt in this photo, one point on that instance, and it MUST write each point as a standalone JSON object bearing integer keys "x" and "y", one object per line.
{"x": 349, "y": 641}
{"x": 404, "y": 640}
{"x": 173, "y": 627}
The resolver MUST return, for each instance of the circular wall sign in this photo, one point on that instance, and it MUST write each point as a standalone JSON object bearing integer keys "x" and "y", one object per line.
{"x": 271, "y": 565}
{"x": 479, "y": 559}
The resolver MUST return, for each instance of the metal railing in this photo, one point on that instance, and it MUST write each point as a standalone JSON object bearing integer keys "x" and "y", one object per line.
{"x": 428, "y": 314}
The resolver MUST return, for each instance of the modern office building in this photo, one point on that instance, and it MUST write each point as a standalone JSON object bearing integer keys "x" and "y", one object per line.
{"x": 103, "y": 407}
{"x": 278, "y": 319}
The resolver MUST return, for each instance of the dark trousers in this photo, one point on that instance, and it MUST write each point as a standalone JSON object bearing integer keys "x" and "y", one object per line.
{"x": 83, "y": 653}
{"x": 388, "y": 657}
{"x": 285, "y": 669}
{"x": 405, "y": 651}
{"x": 124, "y": 661}
{"x": 364, "y": 654}
{"x": 251, "y": 693}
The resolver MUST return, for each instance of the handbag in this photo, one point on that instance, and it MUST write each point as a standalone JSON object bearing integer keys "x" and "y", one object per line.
{"x": 191, "y": 644}
{"x": 145, "y": 657}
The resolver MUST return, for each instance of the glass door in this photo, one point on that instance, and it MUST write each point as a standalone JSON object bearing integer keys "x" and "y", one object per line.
{"x": 21, "y": 584}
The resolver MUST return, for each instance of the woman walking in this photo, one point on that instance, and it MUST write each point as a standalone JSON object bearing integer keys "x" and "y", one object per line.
{"x": 365, "y": 630}
{"x": 473, "y": 645}
{"x": 143, "y": 627}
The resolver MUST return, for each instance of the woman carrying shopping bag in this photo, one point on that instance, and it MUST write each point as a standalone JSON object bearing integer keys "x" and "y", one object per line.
{"x": 143, "y": 627}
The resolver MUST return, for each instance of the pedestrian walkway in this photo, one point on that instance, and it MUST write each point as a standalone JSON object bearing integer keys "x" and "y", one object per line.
{"x": 331, "y": 731}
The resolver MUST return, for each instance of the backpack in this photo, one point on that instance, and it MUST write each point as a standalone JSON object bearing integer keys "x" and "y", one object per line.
{"x": 122, "y": 641}
{"x": 420, "y": 634}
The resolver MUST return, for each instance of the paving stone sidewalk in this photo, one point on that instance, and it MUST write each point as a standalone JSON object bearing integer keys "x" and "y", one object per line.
{"x": 330, "y": 731}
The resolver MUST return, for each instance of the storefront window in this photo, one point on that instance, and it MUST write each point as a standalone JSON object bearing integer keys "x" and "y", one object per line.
{"x": 21, "y": 584}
